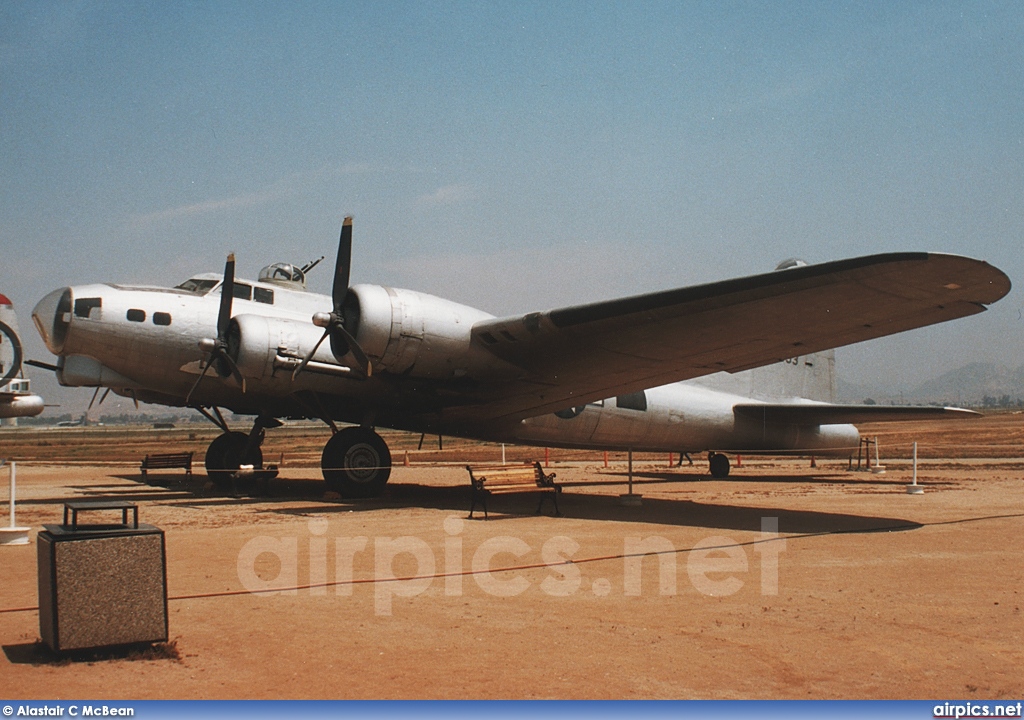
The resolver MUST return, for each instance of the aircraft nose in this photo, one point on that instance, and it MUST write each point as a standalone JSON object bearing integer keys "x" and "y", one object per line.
{"x": 51, "y": 316}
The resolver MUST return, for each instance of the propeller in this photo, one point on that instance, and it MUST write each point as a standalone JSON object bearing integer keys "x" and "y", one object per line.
{"x": 91, "y": 402}
{"x": 333, "y": 323}
{"x": 216, "y": 349}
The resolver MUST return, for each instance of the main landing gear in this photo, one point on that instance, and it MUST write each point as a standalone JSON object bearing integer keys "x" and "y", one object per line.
{"x": 719, "y": 465}
{"x": 356, "y": 462}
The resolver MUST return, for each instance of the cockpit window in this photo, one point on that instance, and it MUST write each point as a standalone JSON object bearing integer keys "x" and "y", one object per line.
{"x": 242, "y": 291}
{"x": 197, "y": 286}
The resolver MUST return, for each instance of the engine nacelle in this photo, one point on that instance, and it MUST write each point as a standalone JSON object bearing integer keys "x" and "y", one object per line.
{"x": 408, "y": 332}
{"x": 258, "y": 344}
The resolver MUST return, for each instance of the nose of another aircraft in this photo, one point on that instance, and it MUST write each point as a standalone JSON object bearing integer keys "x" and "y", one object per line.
{"x": 51, "y": 316}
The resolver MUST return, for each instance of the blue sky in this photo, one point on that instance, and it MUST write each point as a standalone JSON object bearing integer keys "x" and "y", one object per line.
{"x": 514, "y": 155}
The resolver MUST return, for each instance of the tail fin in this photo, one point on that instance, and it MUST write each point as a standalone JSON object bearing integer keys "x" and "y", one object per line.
{"x": 808, "y": 376}
{"x": 10, "y": 343}
{"x": 812, "y": 377}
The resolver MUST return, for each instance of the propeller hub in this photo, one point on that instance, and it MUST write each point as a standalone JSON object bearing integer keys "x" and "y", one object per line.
{"x": 207, "y": 345}
{"x": 324, "y": 320}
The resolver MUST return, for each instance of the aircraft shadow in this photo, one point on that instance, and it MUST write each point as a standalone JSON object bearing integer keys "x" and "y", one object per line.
{"x": 658, "y": 511}
{"x": 583, "y": 506}
{"x": 648, "y": 477}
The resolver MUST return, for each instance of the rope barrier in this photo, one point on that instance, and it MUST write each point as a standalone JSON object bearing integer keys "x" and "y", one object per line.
{"x": 581, "y": 561}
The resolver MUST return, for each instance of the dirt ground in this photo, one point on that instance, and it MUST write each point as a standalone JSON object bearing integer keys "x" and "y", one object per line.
{"x": 865, "y": 592}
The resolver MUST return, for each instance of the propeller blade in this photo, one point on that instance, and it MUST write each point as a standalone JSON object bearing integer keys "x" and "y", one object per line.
{"x": 188, "y": 398}
{"x": 97, "y": 392}
{"x": 305, "y": 360}
{"x": 104, "y": 395}
{"x": 43, "y": 365}
{"x": 227, "y": 294}
{"x": 232, "y": 367}
{"x": 353, "y": 347}
{"x": 343, "y": 265}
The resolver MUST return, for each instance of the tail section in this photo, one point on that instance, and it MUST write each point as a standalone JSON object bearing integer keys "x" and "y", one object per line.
{"x": 812, "y": 377}
{"x": 16, "y": 400}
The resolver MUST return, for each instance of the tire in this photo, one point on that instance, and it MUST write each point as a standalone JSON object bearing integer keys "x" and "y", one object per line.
{"x": 719, "y": 465}
{"x": 356, "y": 463}
{"x": 224, "y": 456}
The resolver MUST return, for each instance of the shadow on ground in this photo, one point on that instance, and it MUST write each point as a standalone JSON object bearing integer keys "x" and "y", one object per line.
{"x": 583, "y": 506}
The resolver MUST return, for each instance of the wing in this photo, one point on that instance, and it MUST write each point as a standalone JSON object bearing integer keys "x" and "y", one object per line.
{"x": 577, "y": 354}
{"x": 829, "y": 414}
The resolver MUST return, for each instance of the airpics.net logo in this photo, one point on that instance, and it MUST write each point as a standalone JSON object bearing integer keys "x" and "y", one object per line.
{"x": 959, "y": 710}
{"x": 502, "y": 566}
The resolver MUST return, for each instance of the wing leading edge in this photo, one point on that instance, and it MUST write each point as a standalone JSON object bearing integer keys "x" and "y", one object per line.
{"x": 577, "y": 354}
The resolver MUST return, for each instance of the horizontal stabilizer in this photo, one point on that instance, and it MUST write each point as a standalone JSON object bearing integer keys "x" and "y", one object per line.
{"x": 827, "y": 414}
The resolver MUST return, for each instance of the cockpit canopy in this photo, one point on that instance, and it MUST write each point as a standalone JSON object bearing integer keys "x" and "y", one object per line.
{"x": 200, "y": 284}
{"x": 283, "y": 274}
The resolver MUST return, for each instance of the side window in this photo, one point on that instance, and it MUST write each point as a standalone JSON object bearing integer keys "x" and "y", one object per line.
{"x": 632, "y": 401}
{"x": 263, "y": 295}
{"x": 161, "y": 318}
{"x": 242, "y": 291}
{"x": 136, "y": 315}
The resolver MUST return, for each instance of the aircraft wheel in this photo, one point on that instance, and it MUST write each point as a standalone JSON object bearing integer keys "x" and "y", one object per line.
{"x": 719, "y": 465}
{"x": 356, "y": 463}
{"x": 224, "y": 456}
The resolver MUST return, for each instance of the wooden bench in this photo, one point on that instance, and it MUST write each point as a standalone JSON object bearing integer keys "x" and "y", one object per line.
{"x": 487, "y": 481}
{"x": 166, "y": 461}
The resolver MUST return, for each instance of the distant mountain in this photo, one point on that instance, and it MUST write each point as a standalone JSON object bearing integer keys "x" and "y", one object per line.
{"x": 973, "y": 385}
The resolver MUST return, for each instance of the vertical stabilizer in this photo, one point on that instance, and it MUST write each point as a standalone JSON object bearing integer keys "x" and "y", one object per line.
{"x": 808, "y": 376}
{"x": 10, "y": 342}
{"x": 811, "y": 377}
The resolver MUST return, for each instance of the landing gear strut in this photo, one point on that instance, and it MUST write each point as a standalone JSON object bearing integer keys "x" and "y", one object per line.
{"x": 719, "y": 465}
{"x": 356, "y": 463}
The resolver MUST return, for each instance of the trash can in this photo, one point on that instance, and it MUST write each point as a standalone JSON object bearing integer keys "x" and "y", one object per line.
{"x": 101, "y": 584}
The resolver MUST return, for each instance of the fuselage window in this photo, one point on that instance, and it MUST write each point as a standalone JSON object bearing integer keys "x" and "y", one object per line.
{"x": 161, "y": 318}
{"x": 570, "y": 413}
{"x": 632, "y": 401}
{"x": 263, "y": 295}
{"x": 135, "y": 315}
{"x": 83, "y": 306}
{"x": 242, "y": 291}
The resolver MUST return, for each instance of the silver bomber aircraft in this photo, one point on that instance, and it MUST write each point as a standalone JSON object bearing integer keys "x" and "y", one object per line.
{"x": 16, "y": 399}
{"x": 605, "y": 375}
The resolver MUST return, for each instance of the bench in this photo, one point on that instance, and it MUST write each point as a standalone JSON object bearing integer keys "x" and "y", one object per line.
{"x": 487, "y": 481}
{"x": 165, "y": 461}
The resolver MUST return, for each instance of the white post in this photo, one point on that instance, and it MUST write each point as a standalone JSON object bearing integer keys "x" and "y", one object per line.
{"x": 879, "y": 468}
{"x": 503, "y": 453}
{"x": 915, "y": 462}
{"x": 12, "y": 534}
{"x": 913, "y": 488}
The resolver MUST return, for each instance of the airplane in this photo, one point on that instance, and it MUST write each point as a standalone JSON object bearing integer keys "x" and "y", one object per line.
{"x": 604, "y": 375}
{"x": 16, "y": 399}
